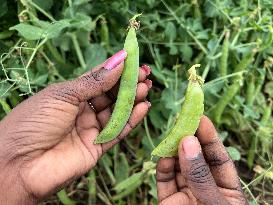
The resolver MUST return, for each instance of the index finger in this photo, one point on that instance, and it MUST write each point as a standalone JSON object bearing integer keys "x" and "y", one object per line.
{"x": 165, "y": 177}
{"x": 221, "y": 165}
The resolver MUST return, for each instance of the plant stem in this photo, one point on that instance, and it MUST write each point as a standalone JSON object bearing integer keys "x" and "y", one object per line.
{"x": 41, "y": 10}
{"x": 5, "y": 56}
{"x": 71, "y": 10}
{"x": 92, "y": 187}
{"x": 5, "y": 106}
{"x": 206, "y": 71}
{"x": 78, "y": 50}
{"x": 62, "y": 195}
{"x": 248, "y": 190}
{"x": 55, "y": 54}
{"x": 31, "y": 59}
{"x": 185, "y": 27}
{"x": 148, "y": 133}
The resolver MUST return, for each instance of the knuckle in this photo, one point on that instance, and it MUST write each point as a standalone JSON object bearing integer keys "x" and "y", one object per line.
{"x": 200, "y": 173}
{"x": 53, "y": 86}
{"x": 92, "y": 80}
{"x": 164, "y": 177}
{"x": 215, "y": 160}
{"x": 63, "y": 92}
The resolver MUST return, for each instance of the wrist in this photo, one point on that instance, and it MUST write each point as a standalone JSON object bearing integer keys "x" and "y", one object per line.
{"x": 12, "y": 189}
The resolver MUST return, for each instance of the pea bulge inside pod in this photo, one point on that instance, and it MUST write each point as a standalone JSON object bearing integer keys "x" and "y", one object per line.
{"x": 188, "y": 119}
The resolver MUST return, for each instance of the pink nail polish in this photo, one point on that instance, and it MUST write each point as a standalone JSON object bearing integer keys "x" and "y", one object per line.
{"x": 115, "y": 60}
{"x": 147, "y": 69}
{"x": 149, "y": 83}
{"x": 191, "y": 147}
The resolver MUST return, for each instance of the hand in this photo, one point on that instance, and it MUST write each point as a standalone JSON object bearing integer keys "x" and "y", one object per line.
{"x": 47, "y": 141}
{"x": 196, "y": 179}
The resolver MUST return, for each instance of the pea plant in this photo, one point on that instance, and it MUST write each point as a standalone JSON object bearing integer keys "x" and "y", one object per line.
{"x": 43, "y": 42}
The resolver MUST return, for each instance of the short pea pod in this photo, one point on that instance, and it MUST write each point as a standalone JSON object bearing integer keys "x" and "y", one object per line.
{"x": 127, "y": 90}
{"x": 188, "y": 119}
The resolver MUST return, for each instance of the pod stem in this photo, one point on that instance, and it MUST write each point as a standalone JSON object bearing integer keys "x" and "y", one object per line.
{"x": 193, "y": 75}
{"x": 133, "y": 23}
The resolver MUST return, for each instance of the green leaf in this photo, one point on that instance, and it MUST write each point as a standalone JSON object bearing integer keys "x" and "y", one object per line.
{"x": 82, "y": 21}
{"x": 150, "y": 2}
{"x": 4, "y": 87}
{"x": 29, "y": 32}
{"x": 80, "y": 2}
{"x": 156, "y": 116}
{"x": 63, "y": 41}
{"x": 187, "y": 52}
{"x": 233, "y": 153}
{"x": 223, "y": 136}
{"x": 5, "y": 34}
{"x": 44, "y": 4}
{"x": 94, "y": 54}
{"x": 106, "y": 163}
{"x": 249, "y": 112}
{"x": 212, "y": 9}
{"x": 212, "y": 44}
{"x": 40, "y": 80}
{"x": 45, "y": 30}
{"x": 170, "y": 31}
{"x": 54, "y": 30}
{"x": 173, "y": 50}
{"x": 153, "y": 190}
{"x": 171, "y": 97}
{"x": 131, "y": 181}
{"x": 267, "y": 3}
{"x": 121, "y": 168}
{"x": 3, "y": 49}
{"x": 3, "y": 8}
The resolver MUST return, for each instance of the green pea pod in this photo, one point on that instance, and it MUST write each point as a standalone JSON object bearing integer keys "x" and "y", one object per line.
{"x": 224, "y": 57}
{"x": 104, "y": 32}
{"x": 188, "y": 119}
{"x": 231, "y": 90}
{"x": 127, "y": 90}
{"x": 250, "y": 90}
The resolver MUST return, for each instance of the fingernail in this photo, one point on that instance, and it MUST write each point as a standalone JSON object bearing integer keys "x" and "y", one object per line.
{"x": 149, "y": 83}
{"x": 149, "y": 104}
{"x": 146, "y": 68}
{"x": 191, "y": 147}
{"x": 115, "y": 60}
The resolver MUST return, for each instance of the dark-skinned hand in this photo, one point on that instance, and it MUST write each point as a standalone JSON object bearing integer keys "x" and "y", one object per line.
{"x": 47, "y": 141}
{"x": 203, "y": 173}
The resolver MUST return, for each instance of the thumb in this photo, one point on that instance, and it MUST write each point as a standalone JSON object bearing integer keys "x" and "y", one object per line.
{"x": 197, "y": 173}
{"x": 93, "y": 83}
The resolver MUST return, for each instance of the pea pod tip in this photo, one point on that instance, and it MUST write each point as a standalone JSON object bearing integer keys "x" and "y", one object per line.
{"x": 193, "y": 74}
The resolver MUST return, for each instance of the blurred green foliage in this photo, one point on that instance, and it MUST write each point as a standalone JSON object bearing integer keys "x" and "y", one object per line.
{"x": 44, "y": 42}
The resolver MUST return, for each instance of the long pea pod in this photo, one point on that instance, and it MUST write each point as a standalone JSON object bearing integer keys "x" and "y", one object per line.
{"x": 250, "y": 90}
{"x": 231, "y": 90}
{"x": 224, "y": 57}
{"x": 104, "y": 32}
{"x": 127, "y": 90}
{"x": 266, "y": 143}
{"x": 188, "y": 120}
{"x": 259, "y": 84}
